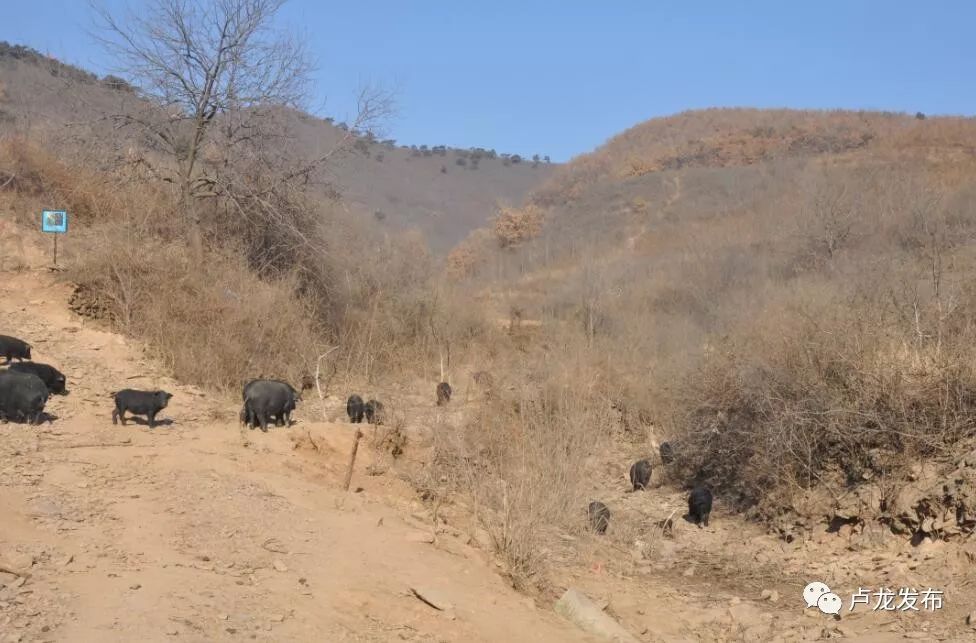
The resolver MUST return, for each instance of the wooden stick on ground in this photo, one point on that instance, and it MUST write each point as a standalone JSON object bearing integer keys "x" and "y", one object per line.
{"x": 352, "y": 460}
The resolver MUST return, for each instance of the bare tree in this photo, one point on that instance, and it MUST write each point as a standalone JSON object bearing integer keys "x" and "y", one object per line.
{"x": 833, "y": 208}
{"x": 213, "y": 73}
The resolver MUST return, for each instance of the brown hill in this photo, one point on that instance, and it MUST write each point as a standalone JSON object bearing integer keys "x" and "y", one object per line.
{"x": 790, "y": 279}
{"x": 700, "y": 165}
{"x": 443, "y": 192}
{"x": 740, "y": 137}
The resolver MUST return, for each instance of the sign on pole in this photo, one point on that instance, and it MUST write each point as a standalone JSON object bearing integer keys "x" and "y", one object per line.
{"x": 54, "y": 222}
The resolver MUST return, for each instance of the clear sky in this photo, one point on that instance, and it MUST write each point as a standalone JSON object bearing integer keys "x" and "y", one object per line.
{"x": 560, "y": 77}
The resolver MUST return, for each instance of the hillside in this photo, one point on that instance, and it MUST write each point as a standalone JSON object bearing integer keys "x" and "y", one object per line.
{"x": 729, "y": 137}
{"x": 655, "y": 184}
{"x": 198, "y": 531}
{"x": 769, "y": 284}
{"x": 445, "y": 193}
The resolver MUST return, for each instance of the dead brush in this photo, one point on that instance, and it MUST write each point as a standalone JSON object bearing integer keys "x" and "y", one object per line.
{"x": 819, "y": 409}
{"x": 224, "y": 315}
{"x": 391, "y": 436}
{"x": 86, "y": 194}
{"x": 522, "y": 463}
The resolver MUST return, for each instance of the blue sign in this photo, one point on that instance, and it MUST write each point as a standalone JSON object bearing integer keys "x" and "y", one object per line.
{"x": 55, "y": 221}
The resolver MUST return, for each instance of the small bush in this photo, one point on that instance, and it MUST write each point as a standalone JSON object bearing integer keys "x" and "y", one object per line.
{"x": 118, "y": 84}
{"x": 469, "y": 255}
{"x": 514, "y": 226}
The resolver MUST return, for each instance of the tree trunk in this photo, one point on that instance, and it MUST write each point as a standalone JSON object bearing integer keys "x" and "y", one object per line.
{"x": 191, "y": 223}
{"x": 195, "y": 240}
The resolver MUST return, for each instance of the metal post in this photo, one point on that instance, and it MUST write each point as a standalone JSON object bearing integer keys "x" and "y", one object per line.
{"x": 55, "y": 251}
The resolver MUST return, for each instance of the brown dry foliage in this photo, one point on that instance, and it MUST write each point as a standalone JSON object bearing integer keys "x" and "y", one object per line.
{"x": 515, "y": 226}
{"x": 793, "y": 324}
{"x": 522, "y": 458}
{"x": 130, "y": 268}
{"x": 736, "y": 137}
{"x": 281, "y": 280}
{"x": 468, "y": 256}
{"x": 218, "y": 327}
{"x": 37, "y": 174}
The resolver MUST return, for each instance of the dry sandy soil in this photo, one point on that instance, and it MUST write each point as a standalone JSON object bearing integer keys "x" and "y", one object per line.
{"x": 195, "y": 531}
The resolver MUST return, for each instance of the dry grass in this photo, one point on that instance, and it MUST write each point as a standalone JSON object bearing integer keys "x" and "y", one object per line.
{"x": 735, "y": 137}
{"x": 522, "y": 459}
{"x": 217, "y": 327}
{"x": 822, "y": 398}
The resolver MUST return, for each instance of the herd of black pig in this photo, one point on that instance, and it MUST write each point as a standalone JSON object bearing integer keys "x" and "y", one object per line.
{"x": 25, "y": 386}
{"x": 699, "y": 501}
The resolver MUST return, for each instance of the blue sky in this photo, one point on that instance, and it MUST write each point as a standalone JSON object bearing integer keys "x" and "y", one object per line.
{"x": 559, "y": 78}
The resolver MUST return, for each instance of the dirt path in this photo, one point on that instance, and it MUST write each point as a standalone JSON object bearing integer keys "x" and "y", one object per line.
{"x": 192, "y": 531}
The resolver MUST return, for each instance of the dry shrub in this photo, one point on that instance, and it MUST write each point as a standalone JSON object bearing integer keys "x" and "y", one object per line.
{"x": 391, "y": 436}
{"x": 514, "y": 226}
{"x": 216, "y": 328}
{"x": 523, "y": 458}
{"x": 829, "y": 398}
{"x": 34, "y": 172}
{"x": 796, "y": 325}
{"x": 399, "y": 321}
{"x": 469, "y": 255}
{"x": 729, "y": 137}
